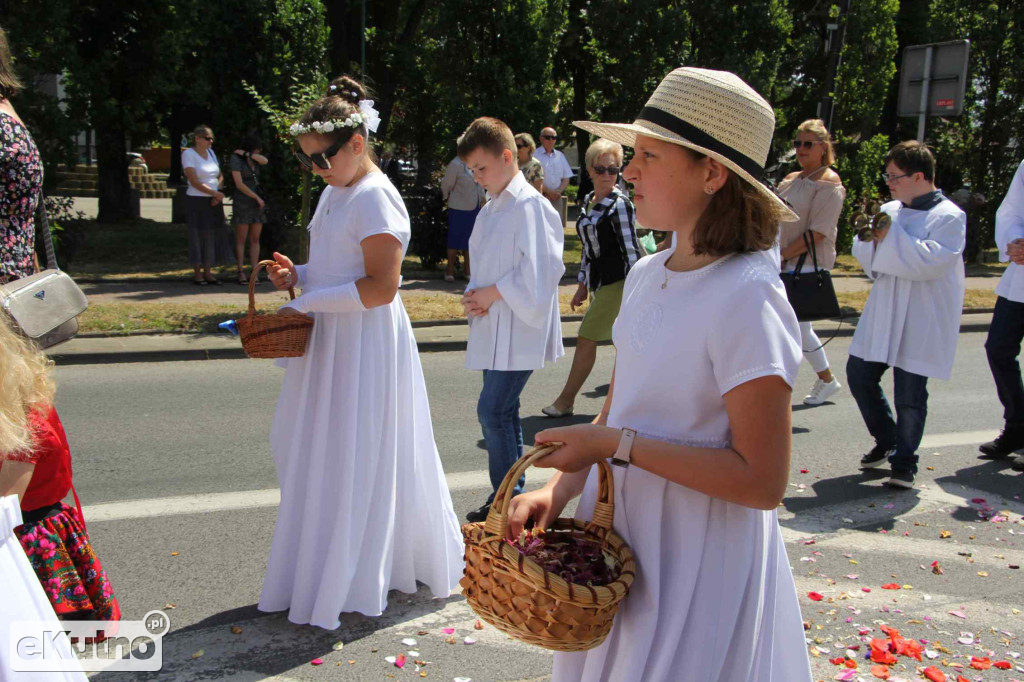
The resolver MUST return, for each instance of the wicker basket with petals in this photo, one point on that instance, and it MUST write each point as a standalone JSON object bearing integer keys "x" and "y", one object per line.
{"x": 516, "y": 595}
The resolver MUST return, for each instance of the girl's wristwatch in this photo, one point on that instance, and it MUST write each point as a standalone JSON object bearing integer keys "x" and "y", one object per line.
{"x": 622, "y": 454}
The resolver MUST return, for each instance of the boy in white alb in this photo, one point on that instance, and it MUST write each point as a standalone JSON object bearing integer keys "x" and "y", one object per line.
{"x": 512, "y": 298}
{"x": 911, "y": 321}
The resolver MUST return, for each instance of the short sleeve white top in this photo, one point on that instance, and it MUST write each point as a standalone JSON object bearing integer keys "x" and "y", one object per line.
{"x": 727, "y": 323}
{"x": 207, "y": 170}
{"x": 344, "y": 217}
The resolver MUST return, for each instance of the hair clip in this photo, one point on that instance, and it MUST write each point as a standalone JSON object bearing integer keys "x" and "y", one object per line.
{"x": 332, "y": 88}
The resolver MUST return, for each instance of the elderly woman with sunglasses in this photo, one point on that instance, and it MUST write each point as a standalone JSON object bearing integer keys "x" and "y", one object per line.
{"x": 531, "y": 168}
{"x": 204, "y": 205}
{"x": 816, "y": 193}
{"x": 607, "y": 231}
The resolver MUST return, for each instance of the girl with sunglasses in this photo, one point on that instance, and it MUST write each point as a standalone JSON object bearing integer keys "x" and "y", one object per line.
{"x": 607, "y": 231}
{"x": 364, "y": 504}
{"x": 816, "y": 193}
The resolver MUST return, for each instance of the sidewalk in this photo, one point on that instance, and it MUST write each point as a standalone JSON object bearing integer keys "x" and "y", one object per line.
{"x": 431, "y": 338}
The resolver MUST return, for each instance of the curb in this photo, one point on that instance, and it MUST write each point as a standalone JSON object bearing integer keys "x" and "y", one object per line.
{"x": 119, "y": 356}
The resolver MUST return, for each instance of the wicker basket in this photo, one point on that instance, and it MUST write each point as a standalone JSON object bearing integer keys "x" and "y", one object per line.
{"x": 272, "y": 336}
{"x": 514, "y": 594}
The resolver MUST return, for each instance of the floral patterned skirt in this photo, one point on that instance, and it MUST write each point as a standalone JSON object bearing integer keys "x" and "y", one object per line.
{"x": 72, "y": 577}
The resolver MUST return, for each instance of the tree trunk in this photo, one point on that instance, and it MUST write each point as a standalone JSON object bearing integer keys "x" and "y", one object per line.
{"x": 112, "y": 160}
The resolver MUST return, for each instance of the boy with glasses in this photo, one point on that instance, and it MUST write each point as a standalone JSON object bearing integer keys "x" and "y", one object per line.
{"x": 911, "y": 321}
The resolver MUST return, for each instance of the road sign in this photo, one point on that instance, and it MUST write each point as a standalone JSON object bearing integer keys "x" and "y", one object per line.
{"x": 933, "y": 78}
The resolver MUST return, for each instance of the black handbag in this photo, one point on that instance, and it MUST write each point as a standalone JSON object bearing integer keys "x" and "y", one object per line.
{"x": 811, "y": 293}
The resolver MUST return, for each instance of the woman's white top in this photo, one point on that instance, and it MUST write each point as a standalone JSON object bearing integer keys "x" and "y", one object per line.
{"x": 912, "y": 317}
{"x": 714, "y": 598}
{"x": 1010, "y": 226}
{"x": 517, "y": 245}
{"x": 207, "y": 170}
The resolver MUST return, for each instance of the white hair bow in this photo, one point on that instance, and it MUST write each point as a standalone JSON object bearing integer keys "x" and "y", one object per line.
{"x": 371, "y": 118}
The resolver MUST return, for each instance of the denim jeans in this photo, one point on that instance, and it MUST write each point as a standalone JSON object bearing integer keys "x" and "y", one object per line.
{"x": 498, "y": 411}
{"x": 1003, "y": 347}
{"x": 911, "y": 397}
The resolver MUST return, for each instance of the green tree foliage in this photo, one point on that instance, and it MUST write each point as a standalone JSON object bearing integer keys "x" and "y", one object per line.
{"x": 982, "y": 149}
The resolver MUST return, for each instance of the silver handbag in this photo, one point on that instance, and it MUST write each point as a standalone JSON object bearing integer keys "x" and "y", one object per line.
{"x": 45, "y": 306}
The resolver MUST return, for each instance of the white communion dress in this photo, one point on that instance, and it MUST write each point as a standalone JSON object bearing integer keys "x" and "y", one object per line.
{"x": 714, "y": 598}
{"x": 365, "y": 507}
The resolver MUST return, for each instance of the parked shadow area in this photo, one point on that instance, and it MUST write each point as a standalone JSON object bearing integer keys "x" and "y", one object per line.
{"x": 854, "y": 502}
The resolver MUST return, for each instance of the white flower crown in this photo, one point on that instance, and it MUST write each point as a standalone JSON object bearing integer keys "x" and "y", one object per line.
{"x": 366, "y": 116}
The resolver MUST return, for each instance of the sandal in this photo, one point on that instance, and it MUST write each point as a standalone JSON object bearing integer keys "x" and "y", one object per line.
{"x": 242, "y": 279}
{"x": 200, "y": 282}
{"x": 215, "y": 282}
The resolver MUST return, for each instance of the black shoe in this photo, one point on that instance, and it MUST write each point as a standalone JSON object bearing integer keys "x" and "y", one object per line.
{"x": 479, "y": 514}
{"x": 878, "y": 456}
{"x": 1008, "y": 440}
{"x": 901, "y": 478}
{"x": 1018, "y": 464}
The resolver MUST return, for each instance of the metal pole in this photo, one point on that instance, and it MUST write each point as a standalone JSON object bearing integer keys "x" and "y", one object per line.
{"x": 925, "y": 87}
{"x": 362, "y": 46}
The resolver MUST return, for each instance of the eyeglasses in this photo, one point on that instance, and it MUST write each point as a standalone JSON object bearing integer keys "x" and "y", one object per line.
{"x": 806, "y": 144}
{"x": 549, "y": 137}
{"x": 320, "y": 159}
{"x": 889, "y": 177}
{"x": 610, "y": 170}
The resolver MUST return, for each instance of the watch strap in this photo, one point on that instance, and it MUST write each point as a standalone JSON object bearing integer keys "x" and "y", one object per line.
{"x": 624, "y": 451}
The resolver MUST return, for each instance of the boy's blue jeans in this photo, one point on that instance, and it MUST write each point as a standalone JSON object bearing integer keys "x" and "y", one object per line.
{"x": 498, "y": 411}
{"x": 911, "y": 396}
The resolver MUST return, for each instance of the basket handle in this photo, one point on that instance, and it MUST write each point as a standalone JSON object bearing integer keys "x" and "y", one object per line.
{"x": 496, "y": 524}
{"x": 252, "y": 285}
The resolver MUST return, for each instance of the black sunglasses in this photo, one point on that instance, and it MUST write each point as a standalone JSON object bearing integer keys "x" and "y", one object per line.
{"x": 207, "y": 138}
{"x": 806, "y": 144}
{"x": 610, "y": 170}
{"x": 522, "y": 146}
{"x": 320, "y": 158}
{"x": 549, "y": 137}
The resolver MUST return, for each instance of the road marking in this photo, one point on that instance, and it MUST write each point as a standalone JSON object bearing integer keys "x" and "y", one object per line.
{"x": 831, "y": 518}
{"x": 259, "y": 499}
{"x": 946, "y": 440}
{"x": 810, "y": 522}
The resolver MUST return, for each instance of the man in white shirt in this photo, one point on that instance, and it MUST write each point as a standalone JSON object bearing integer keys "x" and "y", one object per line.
{"x": 512, "y": 297}
{"x": 911, "y": 321}
{"x": 1007, "y": 328}
{"x": 557, "y": 172}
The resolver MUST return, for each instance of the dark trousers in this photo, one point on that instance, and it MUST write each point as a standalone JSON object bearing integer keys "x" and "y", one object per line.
{"x": 1002, "y": 348}
{"x": 911, "y": 396}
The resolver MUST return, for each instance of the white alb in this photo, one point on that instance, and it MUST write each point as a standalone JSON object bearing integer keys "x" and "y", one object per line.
{"x": 1010, "y": 226}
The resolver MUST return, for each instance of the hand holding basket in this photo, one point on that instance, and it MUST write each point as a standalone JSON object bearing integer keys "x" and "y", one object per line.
{"x": 519, "y": 597}
{"x": 272, "y": 336}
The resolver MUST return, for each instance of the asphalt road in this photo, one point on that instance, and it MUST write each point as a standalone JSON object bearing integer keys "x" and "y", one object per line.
{"x": 173, "y": 466}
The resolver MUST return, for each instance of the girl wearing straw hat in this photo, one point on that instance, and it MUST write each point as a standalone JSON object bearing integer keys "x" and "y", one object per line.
{"x": 703, "y": 437}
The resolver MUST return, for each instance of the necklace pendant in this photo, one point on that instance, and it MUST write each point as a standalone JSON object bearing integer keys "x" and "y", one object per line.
{"x": 664, "y": 284}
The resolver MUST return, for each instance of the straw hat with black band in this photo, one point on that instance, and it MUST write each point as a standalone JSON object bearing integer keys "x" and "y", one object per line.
{"x": 712, "y": 112}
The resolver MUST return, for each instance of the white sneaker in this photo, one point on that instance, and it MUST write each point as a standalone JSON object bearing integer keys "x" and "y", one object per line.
{"x": 822, "y": 391}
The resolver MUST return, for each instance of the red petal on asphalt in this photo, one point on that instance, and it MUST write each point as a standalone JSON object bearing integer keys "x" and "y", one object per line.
{"x": 838, "y": 660}
{"x": 815, "y": 596}
{"x": 982, "y": 663}
{"x": 1003, "y": 665}
{"x": 400, "y": 661}
{"x": 934, "y": 674}
{"x": 804, "y": 471}
{"x": 317, "y": 661}
{"x": 891, "y": 586}
{"x": 880, "y": 671}
{"x": 865, "y": 589}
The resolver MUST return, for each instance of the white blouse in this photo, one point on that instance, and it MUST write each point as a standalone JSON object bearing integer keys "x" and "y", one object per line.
{"x": 517, "y": 245}
{"x": 207, "y": 170}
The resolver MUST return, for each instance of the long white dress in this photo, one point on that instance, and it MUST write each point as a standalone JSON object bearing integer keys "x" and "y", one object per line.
{"x": 714, "y": 598}
{"x": 22, "y": 599}
{"x": 364, "y": 503}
